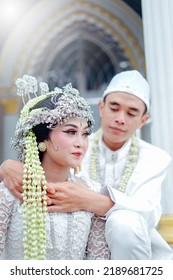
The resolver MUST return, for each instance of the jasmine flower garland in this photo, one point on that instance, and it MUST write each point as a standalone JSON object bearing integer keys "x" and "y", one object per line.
{"x": 131, "y": 162}
{"x": 35, "y": 202}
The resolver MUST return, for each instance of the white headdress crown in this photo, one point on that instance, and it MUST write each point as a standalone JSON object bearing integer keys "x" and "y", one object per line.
{"x": 53, "y": 108}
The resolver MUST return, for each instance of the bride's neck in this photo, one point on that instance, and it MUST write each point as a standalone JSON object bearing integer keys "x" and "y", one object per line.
{"x": 56, "y": 174}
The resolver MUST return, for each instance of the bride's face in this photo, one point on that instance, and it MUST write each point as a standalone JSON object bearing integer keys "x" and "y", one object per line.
{"x": 68, "y": 143}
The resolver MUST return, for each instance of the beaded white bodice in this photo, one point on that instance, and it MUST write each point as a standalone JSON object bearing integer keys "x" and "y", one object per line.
{"x": 67, "y": 233}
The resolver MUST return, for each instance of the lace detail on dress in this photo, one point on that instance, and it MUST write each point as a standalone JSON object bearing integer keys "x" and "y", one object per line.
{"x": 97, "y": 248}
{"x": 67, "y": 233}
{"x": 7, "y": 211}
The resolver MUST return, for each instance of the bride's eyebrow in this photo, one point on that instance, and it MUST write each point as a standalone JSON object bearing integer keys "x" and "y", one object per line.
{"x": 74, "y": 126}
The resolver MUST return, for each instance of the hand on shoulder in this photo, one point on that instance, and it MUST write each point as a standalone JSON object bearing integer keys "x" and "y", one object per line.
{"x": 11, "y": 173}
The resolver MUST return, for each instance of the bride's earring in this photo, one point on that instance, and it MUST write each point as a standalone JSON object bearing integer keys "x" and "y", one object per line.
{"x": 42, "y": 147}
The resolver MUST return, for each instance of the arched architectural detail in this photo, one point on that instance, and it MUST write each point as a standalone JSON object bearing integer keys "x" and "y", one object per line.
{"x": 36, "y": 45}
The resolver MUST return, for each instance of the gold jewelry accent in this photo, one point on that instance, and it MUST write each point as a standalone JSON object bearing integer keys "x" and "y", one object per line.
{"x": 131, "y": 162}
{"x": 42, "y": 147}
{"x": 77, "y": 169}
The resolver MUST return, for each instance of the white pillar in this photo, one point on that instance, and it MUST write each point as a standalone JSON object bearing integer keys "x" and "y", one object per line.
{"x": 158, "y": 38}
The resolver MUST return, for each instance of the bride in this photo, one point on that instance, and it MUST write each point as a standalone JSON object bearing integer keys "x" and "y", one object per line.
{"x": 52, "y": 138}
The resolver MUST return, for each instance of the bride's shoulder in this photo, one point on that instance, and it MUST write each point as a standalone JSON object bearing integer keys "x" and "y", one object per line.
{"x": 93, "y": 185}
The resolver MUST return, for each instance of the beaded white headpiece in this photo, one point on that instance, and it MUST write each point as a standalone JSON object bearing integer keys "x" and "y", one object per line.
{"x": 67, "y": 104}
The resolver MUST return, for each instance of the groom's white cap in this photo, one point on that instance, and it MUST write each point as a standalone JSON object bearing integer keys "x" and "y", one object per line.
{"x": 131, "y": 82}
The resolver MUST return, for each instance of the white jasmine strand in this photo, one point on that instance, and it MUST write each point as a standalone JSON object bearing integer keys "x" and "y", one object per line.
{"x": 35, "y": 204}
{"x": 130, "y": 164}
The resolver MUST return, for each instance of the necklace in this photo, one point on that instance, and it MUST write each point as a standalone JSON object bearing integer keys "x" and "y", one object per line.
{"x": 130, "y": 164}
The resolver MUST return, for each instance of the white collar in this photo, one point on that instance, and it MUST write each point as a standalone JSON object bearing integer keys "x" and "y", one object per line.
{"x": 110, "y": 155}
